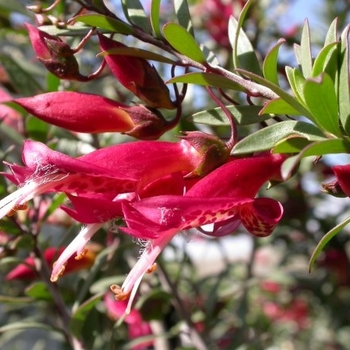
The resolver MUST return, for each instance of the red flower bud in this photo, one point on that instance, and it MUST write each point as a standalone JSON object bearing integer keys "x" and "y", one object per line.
{"x": 214, "y": 151}
{"x": 27, "y": 271}
{"x": 137, "y": 75}
{"x": 56, "y": 55}
{"x": 82, "y": 112}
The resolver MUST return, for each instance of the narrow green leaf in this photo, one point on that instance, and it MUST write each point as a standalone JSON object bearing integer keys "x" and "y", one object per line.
{"x": 321, "y": 100}
{"x": 344, "y": 90}
{"x": 305, "y": 51}
{"x": 78, "y": 29}
{"x": 19, "y": 76}
{"x": 37, "y": 129}
{"x": 325, "y": 239}
{"x": 332, "y": 35}
{"x": 8, "y": 7}
{"x": 296, "y": 81}
{"x": 291, "y": 100}
{"x": 268, "y": 137}
{"x": 206, "y": 79}
{"x": 317, "y": 148}
{"x": 323, "y": 58}
{"x": 155, "y": 18}
{"x": 293, "y": 144}
{"x": 21, "y": 325}
{"x": 135, "y": 52}
{"x": 243, "y": 52}
{"x": 79, "y": 318}
{"x": 278, "y": 106}
{"x": 38, "y": 291}
{"x": 182, "y": 41}
{"x": 183, "y": 15}
{"x": 243, "y": 115}
{"x": 135, "y": 14}
{"x": 106, "y": 23}
{"x": 270, "y": 63}
{"x": 244, "y": 55}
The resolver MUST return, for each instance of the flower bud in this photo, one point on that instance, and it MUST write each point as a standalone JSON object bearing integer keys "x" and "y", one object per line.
{"x": 214, "y": 151}
{"x": 101, "y": 114}
{"x": 56, "y": 55}
{"x": 137, "y": 75}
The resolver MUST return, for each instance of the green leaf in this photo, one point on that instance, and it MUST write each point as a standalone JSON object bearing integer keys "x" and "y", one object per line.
{"x": 8, "y": 7}
{"x": 206, "y": 79}
{"x": 182, "y": 41}
{"x": 135, "y": 13}
{"x": 323, "y": 58}
{"x": 343, "y": 89}
{"x": 296, "y": 81}
{"x": 278, "y": 106}
{"x": 304, "y": 57}
{"x": 155, "y": 18}
{"x": 332, "y": 35}
{"x": 37, "y": 129}
{"x": 244, "y": 55}
{"x": 270, "y": 63}
{"x": 135, "y": 52}
{"x": 107, "y": 23}
{"x": 55, "y": 203}
{"x": 243, "y": 115}
{"x": 21, "y": 325}
{"x": 38, "y": 291}
{"x": 243, "y": 52}
{"x": 20, "y": 77}
{"x": 268, "y": 137}
{"x": 79, "y": 318}
{"x": 325, "y": 239}
{"x": 293, "y": 144}
{"x": 317, "y": 148}
{"x": 291, "y": 100}
{"x": 183, "y": 15}
{"x": 321, "y": 100}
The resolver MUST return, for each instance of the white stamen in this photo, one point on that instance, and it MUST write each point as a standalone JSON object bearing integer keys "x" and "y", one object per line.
{"x": 76, "y": 246}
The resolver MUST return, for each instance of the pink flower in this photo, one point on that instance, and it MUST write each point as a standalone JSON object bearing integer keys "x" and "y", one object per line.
{"x": 56, "y": 55}
{"x": 137, "y": 327}
{"x": 342, "y": 173}
{"x": 102, "y": 114}
{"x": 26, "y": 271}
{"x": 8, "y": 115}
{"x": 110, "y": 171}
{"x": 225, "y": 198}
{"x": 297, "y": 311}
{"x": 137, "y": 75}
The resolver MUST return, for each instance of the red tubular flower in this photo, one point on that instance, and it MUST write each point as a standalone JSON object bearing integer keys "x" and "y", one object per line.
{"x": 224, "y": 198}
{"x": 56, "y": 55}
{"x": 26, "y": 271}
{"x": 64, "y": 109}
{"x": 342, "y": 172}
{"x": 110, "y": 171}
{"x": 137, "y": 75}
{"x": 110, "y": 175}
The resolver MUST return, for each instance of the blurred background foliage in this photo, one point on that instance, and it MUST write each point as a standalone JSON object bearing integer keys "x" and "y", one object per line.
{"x": 233, "y": 293}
